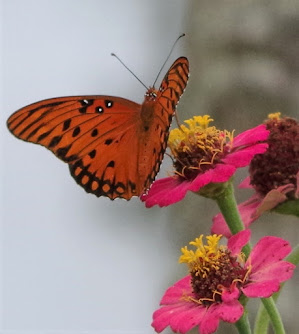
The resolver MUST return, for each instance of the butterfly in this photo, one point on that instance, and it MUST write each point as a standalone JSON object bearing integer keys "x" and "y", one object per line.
{"x": 113, "y": 146}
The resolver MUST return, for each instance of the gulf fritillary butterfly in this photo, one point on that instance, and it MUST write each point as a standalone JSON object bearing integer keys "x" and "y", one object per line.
{"x": 114, "y": 147}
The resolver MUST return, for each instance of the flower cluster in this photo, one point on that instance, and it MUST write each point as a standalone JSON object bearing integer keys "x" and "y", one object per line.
{"x": 273, "y": 175}
{"x": 222, "y": 277}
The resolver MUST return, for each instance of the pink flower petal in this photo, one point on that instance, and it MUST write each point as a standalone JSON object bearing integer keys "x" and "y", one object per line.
{"x": 238, "y": 241}
{"x": 273, "y": 198}
{"x": 281, "y": 270}
{"x": 245, "y": 183}
{"x": 180, "y": 319}
{"x": 247, "y": 212}
{"x": 231, "y": 294}
{"x": 201, "y": 180}
{"x": 187, "y": 320}
{"x": 230, "y": 312}
{"x": 210, "y": 321}
{"x": 174, "y": 293}
{"x": 221, "y": 173}
{"x": 243, "y": 157}
{"x": 251, "y": 136}
{"x": 157, "y": 187}
{"x": 219, "y": 226}
{"x": 166, "y": 191}
{"x": 261, "y": 289}
{"x": 163, "y": 316}
{"x": 267, "y": 251}
{"x": 160, "y": 185}
{"x": 184, "y": 283}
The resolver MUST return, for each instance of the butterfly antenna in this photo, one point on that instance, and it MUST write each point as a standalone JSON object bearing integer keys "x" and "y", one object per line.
{"x": 182, "y": 35}
{"x": 114, "y": 55}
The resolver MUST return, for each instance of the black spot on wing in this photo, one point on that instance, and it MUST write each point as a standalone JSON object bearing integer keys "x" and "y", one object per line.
{"x": 94, "y": 132}
{"x": 132, "y": 186}
{"x": 108, "y": 141}
{"x": 97, "y": 186}
{"x": 76, "y": 131}
{"x": 33, "y": 132}
{"x": 62, "y": 152}
{"x": 44, "y": 135}
{"x": 111, "y": 164}
{"x": 92, "y": 154}
{"x": 85, "y": 104}
{"x": 99, "y": 110}
{"x": 66, "y": 124}
{"x": 108, "y": 103}
{"x": 55, "y": 141}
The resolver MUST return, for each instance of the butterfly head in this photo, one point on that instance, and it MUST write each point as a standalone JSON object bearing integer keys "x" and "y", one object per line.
{"x": 151, "y": 94}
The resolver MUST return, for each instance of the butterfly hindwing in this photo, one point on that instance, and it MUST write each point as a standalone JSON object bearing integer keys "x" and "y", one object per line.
{"x": 111, "y": 168}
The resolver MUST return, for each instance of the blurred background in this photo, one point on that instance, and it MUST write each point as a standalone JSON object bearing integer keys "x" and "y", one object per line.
{"x": 74, "y": 263}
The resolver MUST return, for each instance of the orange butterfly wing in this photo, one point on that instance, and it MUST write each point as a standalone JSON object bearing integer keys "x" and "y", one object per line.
{"x": 154, "y": 142}
{"x": 113, "y": 149}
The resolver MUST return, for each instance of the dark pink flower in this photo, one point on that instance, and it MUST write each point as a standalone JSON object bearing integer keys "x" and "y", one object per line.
{"x": 204, "y": 155}
{"x": 274, "y": 175}
{"x": 254, "y": 207}
{"x": 218, "y": 276}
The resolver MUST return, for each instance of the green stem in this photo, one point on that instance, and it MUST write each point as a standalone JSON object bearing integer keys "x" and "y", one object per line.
{"x": 274, "y": 315}
{"x": 243, "y": 325}
{"x": 229, "y": 209}
{"x": 262, "y": 318}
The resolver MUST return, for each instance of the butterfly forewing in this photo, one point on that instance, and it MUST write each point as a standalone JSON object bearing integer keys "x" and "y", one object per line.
{"x": 69, "y": 126}
{"x": 88, "y": 132}
{"x": 103, "y": 139}
{"x": 173, "y": 85}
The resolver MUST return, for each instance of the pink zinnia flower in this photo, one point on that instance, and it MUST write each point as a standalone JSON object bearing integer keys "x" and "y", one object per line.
{"x": 218, "y": 276}
{"x": 274, "y": 175}
{"x": 204, "y": 155}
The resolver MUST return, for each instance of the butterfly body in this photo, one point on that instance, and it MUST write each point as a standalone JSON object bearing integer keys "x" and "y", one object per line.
{"x": 114, "y": 146}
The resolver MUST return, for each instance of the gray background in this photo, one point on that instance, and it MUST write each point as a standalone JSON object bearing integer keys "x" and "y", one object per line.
{"x": 73, "y": 263}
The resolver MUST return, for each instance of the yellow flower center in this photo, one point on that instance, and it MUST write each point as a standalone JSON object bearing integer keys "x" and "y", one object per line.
{"x": 197, "y": 146}
{"x": 212, "y": 268}
{"x": 274, "y": 116}
{"x": 204, "y": 257}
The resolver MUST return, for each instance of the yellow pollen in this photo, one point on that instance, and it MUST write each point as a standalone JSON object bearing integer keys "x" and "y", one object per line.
{"x": 198, "y": 134}
{"x": 274, "y": 116}
{"x": 204, "y": 257}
